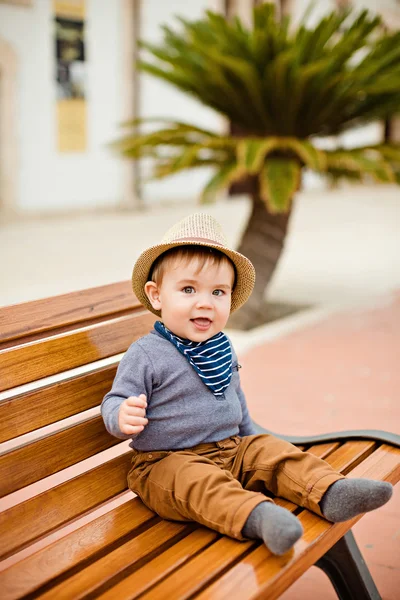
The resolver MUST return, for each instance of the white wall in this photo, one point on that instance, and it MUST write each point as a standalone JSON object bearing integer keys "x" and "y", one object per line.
{"x": 160, "y": 99}
{"x": 389, "y": 10}
{"x": 48, "y": 180}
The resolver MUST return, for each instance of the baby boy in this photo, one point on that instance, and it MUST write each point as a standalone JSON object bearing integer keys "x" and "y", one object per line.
{"x": 177, "y": 395}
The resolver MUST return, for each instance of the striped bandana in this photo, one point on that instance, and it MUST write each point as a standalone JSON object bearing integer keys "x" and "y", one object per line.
{"x": 212, "y": 359}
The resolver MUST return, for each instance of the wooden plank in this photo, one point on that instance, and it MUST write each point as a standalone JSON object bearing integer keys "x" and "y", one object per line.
{"x": 42, "y": 358}
{"x": 55, "y": 507}
{"x": 161, "y": 566}
{"x": 383, "y": 464}
{"x": 42, "y": 315}
{"x": 86, "y": 542}
{"x": 261, "y": 574}
{"x": 324, "y": 450}
{"x": 202, "y": 569}
{"x": 41, "y": 458}
{"x": 133, "y": 553}
{"x": 350, "y": 454}
{"x": 32, "y": 410}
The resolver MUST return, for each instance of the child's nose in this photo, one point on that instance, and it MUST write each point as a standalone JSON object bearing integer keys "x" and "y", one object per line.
{"x": 204, "y": 300}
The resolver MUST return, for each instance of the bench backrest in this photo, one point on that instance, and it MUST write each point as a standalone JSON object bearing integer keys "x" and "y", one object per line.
{"x": 58, "y": 358}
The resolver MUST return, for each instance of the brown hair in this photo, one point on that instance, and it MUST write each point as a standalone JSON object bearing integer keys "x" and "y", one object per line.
{"x": 185, "y": 253}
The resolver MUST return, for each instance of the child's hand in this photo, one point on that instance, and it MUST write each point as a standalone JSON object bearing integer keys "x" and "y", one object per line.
{"x": 132, "y": 415}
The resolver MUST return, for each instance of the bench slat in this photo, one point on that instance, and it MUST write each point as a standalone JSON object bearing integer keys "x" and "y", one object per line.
{"x": 41, "y": 458}
{"x": 383, "y": 464}
{"x": 42, "y": 315}
{"x": 211, "y": 563}
{"x": 30, "y": 411}
{"x": 350, "y": 454}
{"x": 202, "y": 569}
{"x": 323, "y": 450}
{"x": 134, "y": 553}
{"x": 61, "y": 504}
{"x": 87, "y": 542}
{"x": 161, "y": 566}
{"x": 52, "y": 558}
{"x": 53, "y": 355}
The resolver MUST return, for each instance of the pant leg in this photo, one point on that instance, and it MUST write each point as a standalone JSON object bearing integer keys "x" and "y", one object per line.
{"x": 266, "y": 462}
{"x": 185, "y": 486}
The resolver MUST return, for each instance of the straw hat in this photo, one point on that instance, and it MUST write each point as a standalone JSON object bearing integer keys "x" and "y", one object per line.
{"x": 196, "y": 230}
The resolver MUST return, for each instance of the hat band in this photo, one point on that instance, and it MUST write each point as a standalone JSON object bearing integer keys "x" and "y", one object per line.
{"x": 197, "y": 239}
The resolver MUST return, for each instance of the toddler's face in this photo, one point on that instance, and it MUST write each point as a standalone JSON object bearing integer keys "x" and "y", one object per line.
{"x": 195, "y": 302}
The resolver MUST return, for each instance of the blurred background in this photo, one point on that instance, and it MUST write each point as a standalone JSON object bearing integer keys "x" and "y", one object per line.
{"x": 73, "y": 214}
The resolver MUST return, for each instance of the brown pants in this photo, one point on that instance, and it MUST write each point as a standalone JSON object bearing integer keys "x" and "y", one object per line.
{"x": 219, "y": 484}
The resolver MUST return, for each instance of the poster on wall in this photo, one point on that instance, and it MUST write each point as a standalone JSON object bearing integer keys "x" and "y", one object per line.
{"x": 69, "y": 21}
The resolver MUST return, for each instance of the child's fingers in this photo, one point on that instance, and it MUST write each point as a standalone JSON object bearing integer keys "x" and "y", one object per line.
{"x": 133, "y": 420}
{"x": 132, "y": 429}
{"x": 139, "y": 401}
{"x": 132, "y": 416}
{"x": 134, "y": 411}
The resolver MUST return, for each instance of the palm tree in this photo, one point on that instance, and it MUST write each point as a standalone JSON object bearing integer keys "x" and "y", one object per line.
{"x": 284, "y": 90}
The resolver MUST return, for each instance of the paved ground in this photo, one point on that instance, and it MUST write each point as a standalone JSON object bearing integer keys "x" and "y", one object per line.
{"x": 334, "y": 366}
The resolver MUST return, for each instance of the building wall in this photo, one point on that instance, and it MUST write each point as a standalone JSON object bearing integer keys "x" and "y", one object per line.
{"x": 46, "y": 180}
{"x": 159, "y": 99}
{"x": 389, "y": 10}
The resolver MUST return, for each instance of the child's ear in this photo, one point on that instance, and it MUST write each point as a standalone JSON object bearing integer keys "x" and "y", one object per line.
{"x": 151, "y": 291}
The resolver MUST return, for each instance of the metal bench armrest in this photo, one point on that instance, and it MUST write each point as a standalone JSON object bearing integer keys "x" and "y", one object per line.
{"x": 357, "y": 434}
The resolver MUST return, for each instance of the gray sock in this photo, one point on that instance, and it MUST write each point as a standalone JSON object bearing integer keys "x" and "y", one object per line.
{"x": 276, "y": 526}
{"x": 347, "y": 498}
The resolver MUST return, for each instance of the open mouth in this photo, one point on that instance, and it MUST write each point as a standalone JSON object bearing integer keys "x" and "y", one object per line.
{"x": 201, "y": 323}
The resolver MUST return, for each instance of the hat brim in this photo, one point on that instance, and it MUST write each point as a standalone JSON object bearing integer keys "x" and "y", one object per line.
{"x": 245, "y": 273}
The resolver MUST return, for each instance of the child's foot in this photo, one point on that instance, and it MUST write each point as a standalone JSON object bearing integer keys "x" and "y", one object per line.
{"x": 347, "y": 498}
{"x": 276, "y": 526}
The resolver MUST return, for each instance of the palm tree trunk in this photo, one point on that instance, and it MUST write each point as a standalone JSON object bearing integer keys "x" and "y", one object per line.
{"x": 262, "y": 243}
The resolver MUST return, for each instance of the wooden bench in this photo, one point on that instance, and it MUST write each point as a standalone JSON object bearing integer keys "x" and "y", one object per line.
{"x": 69, "y": 526}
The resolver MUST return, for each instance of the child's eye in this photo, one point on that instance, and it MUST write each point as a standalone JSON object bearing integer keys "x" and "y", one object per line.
{"x": 218, "y": 292}
{"x": 188, "y": 289}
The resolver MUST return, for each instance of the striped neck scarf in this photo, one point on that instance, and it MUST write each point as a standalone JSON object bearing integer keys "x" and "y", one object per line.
{"x": 212, "y": 359}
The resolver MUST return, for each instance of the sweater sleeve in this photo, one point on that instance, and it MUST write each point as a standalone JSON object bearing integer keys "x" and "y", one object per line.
{"x": 246, "y": 427}
{"x": 134, "y": 377}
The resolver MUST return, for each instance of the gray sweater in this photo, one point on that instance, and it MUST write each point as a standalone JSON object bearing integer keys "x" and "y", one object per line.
{"x": 181, "y": 410}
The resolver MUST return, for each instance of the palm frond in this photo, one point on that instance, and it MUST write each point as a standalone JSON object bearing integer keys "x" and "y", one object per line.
{"x": 361, "y": 162}
{"x": 279, "y": 180}
{"x": 225, "y": 175}
{"x": 307, "y": 153}
{"x": 271, "y": 80}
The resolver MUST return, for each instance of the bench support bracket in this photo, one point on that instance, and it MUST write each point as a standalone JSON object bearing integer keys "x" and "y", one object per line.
{"x": 348, "y": 571}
